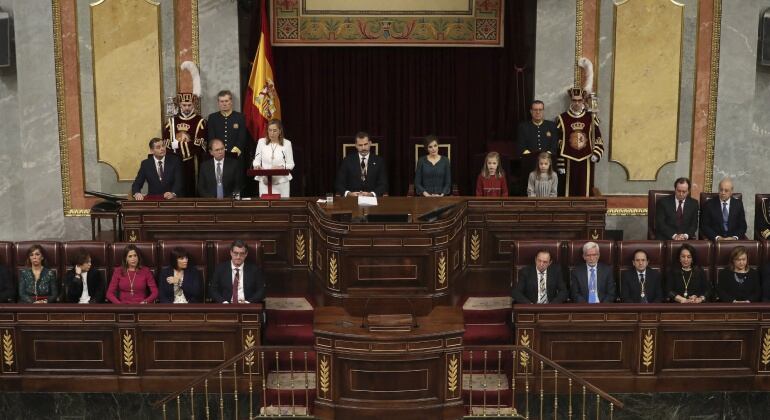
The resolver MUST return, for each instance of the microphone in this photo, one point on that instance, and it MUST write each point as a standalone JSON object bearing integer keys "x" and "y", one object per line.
{"x": 363, "y": 317}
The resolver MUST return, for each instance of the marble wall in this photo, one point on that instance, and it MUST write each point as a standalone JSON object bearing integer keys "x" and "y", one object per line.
{"x": 219, "y": 52}
{"x": 555, "y": 54}
{"x": 30, "y": 184}
{"x": 743, "y": 128}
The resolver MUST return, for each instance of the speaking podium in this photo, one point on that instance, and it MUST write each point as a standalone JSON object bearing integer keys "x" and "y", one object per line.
{"x": 269, "y": 173}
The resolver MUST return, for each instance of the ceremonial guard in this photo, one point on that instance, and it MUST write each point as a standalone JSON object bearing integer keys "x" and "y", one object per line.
{"x": 185, "y": 131}
{"x": 581, "y": 145}
{"x": 229, "y": 126}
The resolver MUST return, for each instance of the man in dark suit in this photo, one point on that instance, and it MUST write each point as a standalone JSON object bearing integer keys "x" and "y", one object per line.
{"x": 592, "y": 282}
{"x": 723, "y": 219}
{"x": 362, "y": 173}
{"x": 221, "y": 176}
{"x": 676, "y": 216}
{"x": 642, "y": 284}
{"x": 162, "y": 173}
{"x": 541, "y": 283}
{"x": 235, "y": 281}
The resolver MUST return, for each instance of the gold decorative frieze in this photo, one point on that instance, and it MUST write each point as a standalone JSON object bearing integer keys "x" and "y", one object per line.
{"x": 403, "y": 23}
{"x": 764, "y": 353}
{"x": 647, "y": 357}
{"x": 127, "y": 344}
{"x": 324, "y": 376}
{"x": 453, "y": 377}
{"x": 9, "y": 355}
{"x": 299, "y": 247}
{"x": 333, "y": 273}
{"x": 441, "y": 270}
{"x": 475, "y": 246}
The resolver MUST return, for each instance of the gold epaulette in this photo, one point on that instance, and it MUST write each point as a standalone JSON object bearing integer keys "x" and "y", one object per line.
{"x": 236, "y": 150}
{"x": 765, "y": 233}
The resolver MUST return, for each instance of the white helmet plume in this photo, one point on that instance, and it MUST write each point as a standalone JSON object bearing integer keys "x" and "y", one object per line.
{"x": 195, "y": 75}
{"x": 588, "y": 74}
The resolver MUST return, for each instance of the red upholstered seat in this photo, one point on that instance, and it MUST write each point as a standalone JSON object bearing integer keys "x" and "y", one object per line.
{"x": 704, "y": 255}
{"x": 652, "y": 201}
{"x": 289, "y": 335}
{"x": 487, "y": 334}
{"x": 147, "y": 250}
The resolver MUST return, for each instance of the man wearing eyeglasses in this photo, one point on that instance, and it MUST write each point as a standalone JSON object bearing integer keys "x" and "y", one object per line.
{"x": 237, "y": 281}
{"x": 220, "y": 177}
{"x": 592, "y": 282}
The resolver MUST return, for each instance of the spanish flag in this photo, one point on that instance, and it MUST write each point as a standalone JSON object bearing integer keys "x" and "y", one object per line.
{"x": 262, "y": 103}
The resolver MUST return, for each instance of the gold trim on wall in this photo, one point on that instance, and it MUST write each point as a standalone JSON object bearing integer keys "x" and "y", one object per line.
{"x": 195, "y": 33}
{"x": 578, "y": 40}
{"x": 716, "y": 36}
{"x": 61, "y": 114}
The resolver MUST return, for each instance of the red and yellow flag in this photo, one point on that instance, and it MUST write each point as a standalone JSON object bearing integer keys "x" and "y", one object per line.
{"x": 262, "y": 103}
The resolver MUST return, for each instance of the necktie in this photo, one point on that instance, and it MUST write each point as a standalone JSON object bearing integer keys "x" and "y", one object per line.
{"x": 725, "y": 215}
{"x": 160, "y": 170}
{"x": 680, "y": 214}
{"x": 363, "y": 168}
{"x": 541, "y": 290}
{"x": 220, "y": 188}
{"x": 236, "y": 282}
{"x": 592, "y": 295}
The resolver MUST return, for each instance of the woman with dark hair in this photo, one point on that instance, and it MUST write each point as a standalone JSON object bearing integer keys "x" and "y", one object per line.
{"x": 432, "y": 175}
{"x": 183, "y": 282}
{"x": 740, "y": 283}
{"x": 38, "y": 283}
{"x": 81, "y": 284}
{"x": 131, "y": 280}
{"x": 686, "y": 281}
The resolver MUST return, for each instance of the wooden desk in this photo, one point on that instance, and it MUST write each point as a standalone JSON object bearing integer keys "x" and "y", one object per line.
{"x": 388, "y": 375}
{"x": 653, "y": 347}
{"x": 349, "y": 259}
{"x": 119, "y": 348}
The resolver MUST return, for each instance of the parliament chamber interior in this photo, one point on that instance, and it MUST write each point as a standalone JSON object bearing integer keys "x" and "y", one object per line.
{"x": 438, "y": 209}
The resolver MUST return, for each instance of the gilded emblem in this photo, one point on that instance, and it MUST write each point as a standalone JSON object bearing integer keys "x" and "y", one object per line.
{"x": 452, "y": 374}
{"x": 299, "y": 246}
{"x": 475, "y": 245}
{"x": 441, "y": 269}
{"x": 324, "y": 377}
{"x": 648, "y": 347}
{"x": 249, "y": 341}
{"x": 8, "y": 356}
{"x": 766, "y": 348}
{"x": 128, "y": 350}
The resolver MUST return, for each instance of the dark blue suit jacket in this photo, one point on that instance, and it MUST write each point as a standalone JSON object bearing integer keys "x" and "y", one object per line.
{"x": 605, "y": 284}
{"x": 192, "y": 286}
{"x": 148, "y": 172}
{"x": 711, "y": 219}
{"x": 349, "y": 175}
{"x": 221, "y": 285}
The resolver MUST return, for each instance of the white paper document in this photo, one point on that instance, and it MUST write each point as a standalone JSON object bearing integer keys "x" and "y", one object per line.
{"x": 367, "y": 201}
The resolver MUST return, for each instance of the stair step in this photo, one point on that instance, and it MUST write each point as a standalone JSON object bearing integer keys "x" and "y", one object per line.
{"x": 290, "y": 381}
{"x": 493, "y": 411}
{"x": 283, "y": 410}
{"x": 494, "y": 381}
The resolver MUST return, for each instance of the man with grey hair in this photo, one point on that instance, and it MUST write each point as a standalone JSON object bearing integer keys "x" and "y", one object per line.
{"x": 592, "y": 282}
{"x": 723, "y": 219}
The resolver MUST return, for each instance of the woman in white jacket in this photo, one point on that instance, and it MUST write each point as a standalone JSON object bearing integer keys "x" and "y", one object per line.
{"x": 274, "y": 152}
